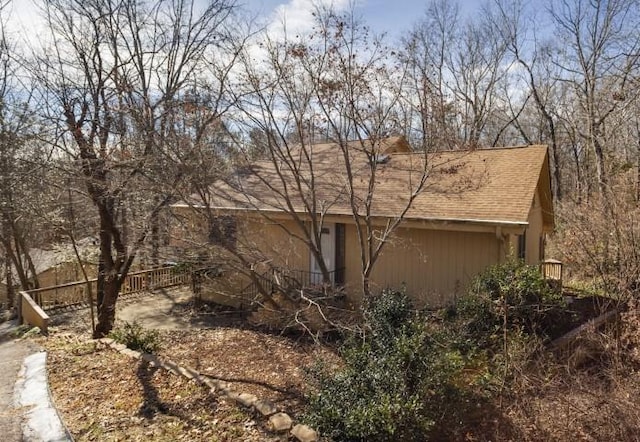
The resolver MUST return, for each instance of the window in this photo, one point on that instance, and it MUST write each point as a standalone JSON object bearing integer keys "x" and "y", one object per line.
{"x": 522, "y": 246}
{"x": 223, "y": 231}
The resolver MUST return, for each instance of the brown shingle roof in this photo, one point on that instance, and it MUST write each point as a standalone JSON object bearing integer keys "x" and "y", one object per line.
{"x": 485, "y": 185}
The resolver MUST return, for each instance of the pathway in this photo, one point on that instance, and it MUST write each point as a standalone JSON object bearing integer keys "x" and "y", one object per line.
{"x": 12, "y": 354}
{"x": 161, "y": 310}
{"x": 157, "y": 310}
{"x": 26, "y": 410}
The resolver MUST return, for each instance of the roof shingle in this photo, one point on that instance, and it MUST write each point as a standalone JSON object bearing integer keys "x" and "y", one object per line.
{"x": 485, "y": 185}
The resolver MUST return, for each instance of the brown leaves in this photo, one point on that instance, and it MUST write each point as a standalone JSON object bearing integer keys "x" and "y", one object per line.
{"x": 269, "y": 366}
{"x": 103, "y": 395}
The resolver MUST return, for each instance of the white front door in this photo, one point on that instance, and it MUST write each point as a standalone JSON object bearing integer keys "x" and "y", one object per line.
{"x": 327, "y": 243}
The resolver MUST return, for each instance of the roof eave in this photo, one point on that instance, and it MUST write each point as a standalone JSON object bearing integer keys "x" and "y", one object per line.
{"x": 435, "y": 220}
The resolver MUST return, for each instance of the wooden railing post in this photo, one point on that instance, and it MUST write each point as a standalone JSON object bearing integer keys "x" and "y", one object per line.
{"x": 551, "y": 271}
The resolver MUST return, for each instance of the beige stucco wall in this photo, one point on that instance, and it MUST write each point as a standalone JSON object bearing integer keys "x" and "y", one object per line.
{"x": 434, "y": 265}
{"x": 277, "y": 240}
{"x": 534, "y": 232}
{"x": 264, "y": 244}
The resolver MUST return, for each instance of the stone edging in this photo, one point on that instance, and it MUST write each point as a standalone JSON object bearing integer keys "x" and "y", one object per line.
{"x": 277, "y": 421}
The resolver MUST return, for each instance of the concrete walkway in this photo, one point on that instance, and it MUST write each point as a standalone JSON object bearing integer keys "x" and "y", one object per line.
{"x": 158, "y": 310}
{"x": 26, "y": 411}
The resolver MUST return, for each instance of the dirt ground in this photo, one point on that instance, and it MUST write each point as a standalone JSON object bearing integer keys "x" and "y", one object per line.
{"x": 269, "y": 366}
{"x": 103, "y": 395}
{"x": 588, "y": 396}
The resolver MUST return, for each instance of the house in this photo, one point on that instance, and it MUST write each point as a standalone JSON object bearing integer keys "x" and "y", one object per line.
{"x": 58, "y": 265}
{"x": 476, "y": 208}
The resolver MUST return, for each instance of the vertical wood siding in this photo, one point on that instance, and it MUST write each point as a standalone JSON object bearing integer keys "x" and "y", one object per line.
{"x": 534, "y": 232}
{"x": 435, "y": 266}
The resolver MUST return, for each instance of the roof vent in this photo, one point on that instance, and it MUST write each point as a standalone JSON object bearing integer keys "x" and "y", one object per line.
{"x": 382, "y": 158}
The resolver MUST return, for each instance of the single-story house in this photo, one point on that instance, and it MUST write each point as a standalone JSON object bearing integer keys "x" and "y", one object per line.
{"x": 476, "y": 208}
{"x": 58, "y": 265}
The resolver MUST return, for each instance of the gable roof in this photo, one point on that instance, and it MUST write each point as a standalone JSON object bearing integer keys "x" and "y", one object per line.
{"x": 495, "y": 185}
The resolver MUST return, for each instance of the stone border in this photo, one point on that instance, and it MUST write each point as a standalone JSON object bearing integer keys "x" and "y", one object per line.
{"x": 278, "y": 422}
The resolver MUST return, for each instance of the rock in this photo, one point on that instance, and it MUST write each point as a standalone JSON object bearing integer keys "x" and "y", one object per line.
{"x": 280, "y": 422}
{"x": 185, "y": 372}
{"x": 118, "y": 346}
{"x": 304, "y": 433}
{"x": 131, "y": 353}
{"x": 224, "y": 386}
{"x": 150, "y": 359}
{"x": 265, "y": 408}
{"x": 213, "y": 385}
{"x": 246, "y": 399}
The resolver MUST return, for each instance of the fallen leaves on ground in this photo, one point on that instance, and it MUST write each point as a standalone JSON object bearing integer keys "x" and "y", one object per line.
{"x": 269, "y": 366}
{"x": 103, "y": 395}
{"x": 107, "y": 396}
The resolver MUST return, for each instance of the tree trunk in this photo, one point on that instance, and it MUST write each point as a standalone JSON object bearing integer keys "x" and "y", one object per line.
{"x": 9, "y": 280}
{"x": 556, "y": 170}
{"x": 155, "y": 239}
{"x": 601, "y": 173}
{"x": 23, "y": 250}
{"x": 100, "y": 284}
{"x": 107, "y": 309}
{"x": 638, "y": 165}
{"x": 366, "y": 289}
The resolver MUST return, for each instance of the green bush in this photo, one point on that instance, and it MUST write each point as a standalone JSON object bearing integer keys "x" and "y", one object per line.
{"x": 520, "y": 284}
{"x": 409, "y": 374}
{"x": 515, "y": 294}
{"x": 134, "y": 336}
{"x": 395, "y": 375}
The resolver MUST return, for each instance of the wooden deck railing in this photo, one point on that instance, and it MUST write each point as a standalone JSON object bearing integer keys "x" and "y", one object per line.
{"x": 287, "y": 279}
{"x": 75, "y": 293}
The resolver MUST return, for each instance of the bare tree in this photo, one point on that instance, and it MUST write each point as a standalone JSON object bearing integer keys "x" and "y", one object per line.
{"x": 457, "y": 70}
{"x": 428, "y": 104}
{"x": 20, "y": 167}
{"x": 600, "y": 56}
{"x": 112, "y": 77}
{"x": 539, "y": 75}
{"x": 335, "y": 79}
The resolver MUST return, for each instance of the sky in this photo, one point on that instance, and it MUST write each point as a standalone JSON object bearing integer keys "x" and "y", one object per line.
{"x": 389, "y": 16}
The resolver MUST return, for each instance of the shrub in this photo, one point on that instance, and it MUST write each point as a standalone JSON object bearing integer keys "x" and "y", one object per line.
{"x": 520, "y": 284}
{"x": 513, "y": 293}
{"x": 395, "y": 375}
{"x": 134, "y": 336}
